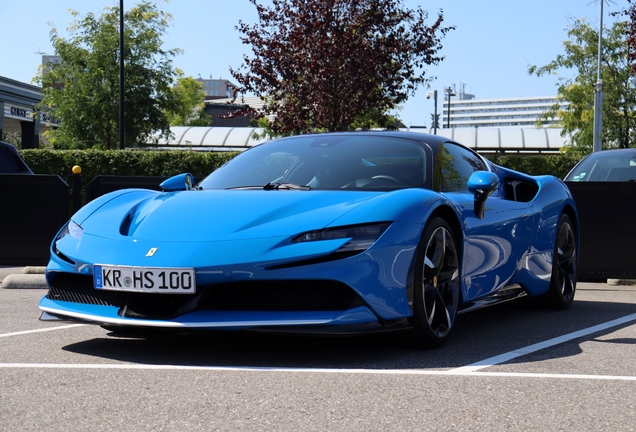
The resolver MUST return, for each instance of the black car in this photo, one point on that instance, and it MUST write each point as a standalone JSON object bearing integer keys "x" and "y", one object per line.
{"x": 604, "y": 185}
{"x": 10, "y": 160}
{"x": 618, "y": 165}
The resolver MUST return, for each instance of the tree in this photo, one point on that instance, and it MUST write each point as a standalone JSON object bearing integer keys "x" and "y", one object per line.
{"x": 619, "y": 86}
{"x": 189, "y": 110}
{"x": 373, "y": 118}
{"x": 83, "y": 88}
{"x": 323, "y": 64}
{"x": 13, "y": 138}
{"x": 630, "y": 32}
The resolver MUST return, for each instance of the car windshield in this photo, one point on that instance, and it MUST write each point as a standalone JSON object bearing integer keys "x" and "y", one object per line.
{"x": 329, "y": 161}
{"x": 606, "y": 166}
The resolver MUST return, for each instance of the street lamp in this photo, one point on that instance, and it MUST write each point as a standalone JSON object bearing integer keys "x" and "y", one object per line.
{"x": 449, "y": 93}
{"x": 122, "y": 133}
{"x": 597, "y": 144}
{"x": 428, "y": 96}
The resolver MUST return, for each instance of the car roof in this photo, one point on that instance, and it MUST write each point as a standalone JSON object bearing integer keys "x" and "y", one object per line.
{"x": 622, "y": 156}
{"x": 10, "y": 160}
{"x": 433, "y": 141}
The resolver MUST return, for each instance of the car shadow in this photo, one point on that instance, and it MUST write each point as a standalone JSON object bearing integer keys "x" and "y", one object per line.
{"x": 477, "y": 336}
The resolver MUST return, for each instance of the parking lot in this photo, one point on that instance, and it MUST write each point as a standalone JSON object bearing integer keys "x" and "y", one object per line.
{"x": 505, "y": 368}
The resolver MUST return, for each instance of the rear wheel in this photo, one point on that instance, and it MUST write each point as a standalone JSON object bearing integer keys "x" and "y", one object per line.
{"x": 436, "y": 286}
{"x": 563, "y": 280}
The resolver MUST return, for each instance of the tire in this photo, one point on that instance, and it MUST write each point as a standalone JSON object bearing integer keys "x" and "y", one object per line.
{"x": 436, "y": 289}
{"x": 560, "y": 295}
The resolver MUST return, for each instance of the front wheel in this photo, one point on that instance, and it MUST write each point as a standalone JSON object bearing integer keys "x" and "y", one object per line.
{"x": 436, "y": 286}
{"x": 563, "y": 280}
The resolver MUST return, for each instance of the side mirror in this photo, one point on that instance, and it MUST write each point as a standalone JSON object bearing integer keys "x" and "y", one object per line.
{"x": 482, "y": 184}
{"x": 179, "y": 182}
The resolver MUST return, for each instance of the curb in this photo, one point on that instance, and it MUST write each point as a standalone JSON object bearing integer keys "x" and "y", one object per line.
{"x": 33, "y": 270}
{"x": 24, "y": 281}
{"x": 624, "y": 282}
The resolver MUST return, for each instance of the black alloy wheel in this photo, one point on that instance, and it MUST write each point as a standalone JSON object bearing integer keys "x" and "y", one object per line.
{"x": 437, "y": 286}
{"x": 563, "y": 280}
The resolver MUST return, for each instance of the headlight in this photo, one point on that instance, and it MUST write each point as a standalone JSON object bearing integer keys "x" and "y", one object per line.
{"x": 72, "y": 229}
{"x": 75, "y": 230}
{"x": 361, "y": 236}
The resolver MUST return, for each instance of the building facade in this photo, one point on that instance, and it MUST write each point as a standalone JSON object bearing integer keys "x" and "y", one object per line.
{"x": 217, "y": 88}
{"x": 519, "y": 112}
{"x": 18, "y": 112}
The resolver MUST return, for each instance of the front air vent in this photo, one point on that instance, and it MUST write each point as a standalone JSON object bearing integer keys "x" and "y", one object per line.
{"x": 264, "y": 295}
{"x": 61, "y": 256}
{"x": 286, "y": 295}
{"x": 75, "y": 288}
{"x": 124, "y": 228}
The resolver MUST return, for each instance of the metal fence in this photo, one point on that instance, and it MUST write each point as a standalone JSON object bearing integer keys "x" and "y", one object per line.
{"x": 608, "y": 232}
{"x": 35, "y": 207}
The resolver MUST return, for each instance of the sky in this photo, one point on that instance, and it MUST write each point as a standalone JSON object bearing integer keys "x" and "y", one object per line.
{"x": 489, "y": 51}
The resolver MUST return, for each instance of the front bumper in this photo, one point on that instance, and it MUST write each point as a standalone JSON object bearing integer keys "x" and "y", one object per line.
{"x": 230, "y": 320}
{"x": 273, "y": 291}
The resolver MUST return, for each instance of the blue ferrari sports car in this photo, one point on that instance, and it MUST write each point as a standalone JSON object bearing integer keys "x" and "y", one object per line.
{"x": 331, "y": 233}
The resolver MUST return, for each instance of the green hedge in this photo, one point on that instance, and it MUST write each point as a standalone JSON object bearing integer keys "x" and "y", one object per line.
{"x": 123, "y": 163}
{"x": 200, "y": 164}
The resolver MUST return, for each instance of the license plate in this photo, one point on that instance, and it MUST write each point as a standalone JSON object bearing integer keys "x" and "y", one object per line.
{"x": 144, "y": 279}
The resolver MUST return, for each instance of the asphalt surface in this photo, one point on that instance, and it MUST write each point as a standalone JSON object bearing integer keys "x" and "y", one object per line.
{"x": 505, "y": 368}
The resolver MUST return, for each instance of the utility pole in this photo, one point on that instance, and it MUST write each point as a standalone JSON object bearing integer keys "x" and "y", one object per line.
{"x": 122, "y": 129}
{"x": 598, "y": 92}
{"x": 449, "y": 93}
{"x": 428, "y": 96}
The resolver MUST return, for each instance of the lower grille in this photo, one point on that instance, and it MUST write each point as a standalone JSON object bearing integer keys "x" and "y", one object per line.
{"x": 280, "y": 296}
{"x": 79, "y": 289}
{"x": 295, "y": 295}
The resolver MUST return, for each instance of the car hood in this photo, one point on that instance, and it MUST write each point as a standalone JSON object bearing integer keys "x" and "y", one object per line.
{"x": 210, "y": 215}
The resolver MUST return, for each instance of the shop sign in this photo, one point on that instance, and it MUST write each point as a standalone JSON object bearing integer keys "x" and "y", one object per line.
{"x": 18, "y": 112}
{"x": 49, "y": 119}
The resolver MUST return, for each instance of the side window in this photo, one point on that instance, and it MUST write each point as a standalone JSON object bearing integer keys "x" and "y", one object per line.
{"x": 454, "y": 165}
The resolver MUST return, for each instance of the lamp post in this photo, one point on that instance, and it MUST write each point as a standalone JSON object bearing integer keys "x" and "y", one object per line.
{"x": 449, "y": 93}
{"x": 122, "y": 130}
{"x": 428, "y": 96}
{"x": 597, "y": 144}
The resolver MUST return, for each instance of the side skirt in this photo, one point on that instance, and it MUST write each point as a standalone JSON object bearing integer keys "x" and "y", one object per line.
{"x": 505, "y": 294}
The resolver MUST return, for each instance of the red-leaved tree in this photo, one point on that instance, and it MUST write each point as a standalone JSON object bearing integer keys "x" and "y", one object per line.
{"x": 320, "y": 64}
{"x": 630, "y": 32}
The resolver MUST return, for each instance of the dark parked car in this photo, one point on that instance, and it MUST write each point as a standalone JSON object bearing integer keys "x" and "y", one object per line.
{"x": 604, "y": 186}
{"x": 10, "y": 160}
{"x": 606, "y": 166}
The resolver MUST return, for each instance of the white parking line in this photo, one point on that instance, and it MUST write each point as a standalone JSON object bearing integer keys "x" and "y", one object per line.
{"x": 502, "y": 358}
{"x": 454, "y": 372}
{"x": 40, "y": 330}
{"x": 472, "y": 370}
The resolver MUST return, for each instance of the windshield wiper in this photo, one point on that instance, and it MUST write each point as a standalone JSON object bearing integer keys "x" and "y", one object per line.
{"x": 287, "y": 186}
{"x": 243, "y": 187}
